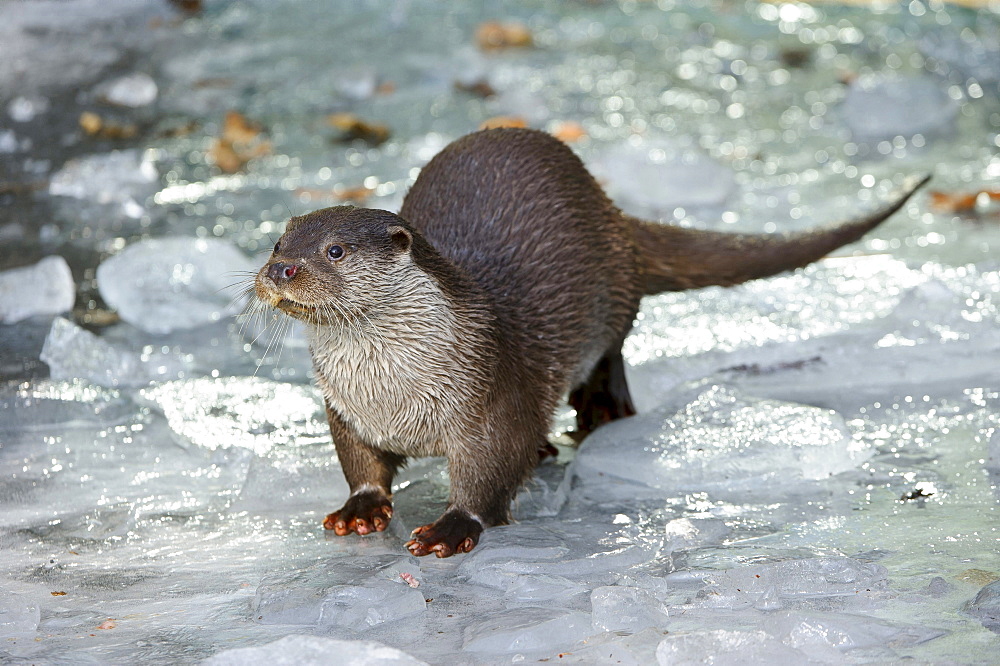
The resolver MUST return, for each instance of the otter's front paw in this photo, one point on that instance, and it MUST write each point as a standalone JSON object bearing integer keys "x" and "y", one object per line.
{"x": 363, "y": 513}
{"x": 454, "y": 532}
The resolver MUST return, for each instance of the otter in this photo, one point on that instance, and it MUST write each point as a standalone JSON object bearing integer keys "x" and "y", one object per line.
{"x": 507, "y": 281}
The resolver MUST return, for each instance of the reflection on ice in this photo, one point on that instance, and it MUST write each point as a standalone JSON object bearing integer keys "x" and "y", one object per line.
{"x": 255, "y": 414}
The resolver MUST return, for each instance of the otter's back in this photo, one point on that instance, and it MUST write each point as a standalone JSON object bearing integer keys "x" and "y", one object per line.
{"x": 519, "y": 213}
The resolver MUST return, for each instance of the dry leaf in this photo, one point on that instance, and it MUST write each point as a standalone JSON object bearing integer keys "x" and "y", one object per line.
{"x": 58, "y": 594}
{"x": 241, "y": 142}
{"x": 353, "y": 127}
{"x": 947, "y": 202}
{"x": 495, "y": 35}
{"x": 569, "y": 131}
{"x": 237, "y": 129}
{"x": 503, "y": 121}
{"x": 480, "y": 88}
{"x": 94, "y": 125}
{"x": 356, "y": 194}
{"x": 110, "y": 623}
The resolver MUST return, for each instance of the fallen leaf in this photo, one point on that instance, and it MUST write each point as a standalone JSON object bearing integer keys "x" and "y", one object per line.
{"x": 236, "y": 128}
{"x": 353, "y": 128}
{"x": 241, "y": 141}
{"x": 569, "y": 131}
{"x": 58, "y": 594}
{"x": 359, "y": 194}
{"x": 479, "y": 88}
{"x": 93, "y": 124}
{"x": 503, "y": 121}
{"x": 494, "y": 35}
{"x": 110, "y": 623}
{"x": 948, "y": 202}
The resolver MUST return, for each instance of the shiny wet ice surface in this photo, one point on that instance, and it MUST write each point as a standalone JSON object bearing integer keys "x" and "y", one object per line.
{"x": 813, "y": 475}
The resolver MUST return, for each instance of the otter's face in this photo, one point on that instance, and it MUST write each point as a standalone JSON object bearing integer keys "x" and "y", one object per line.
{"x": 335, "y": 264}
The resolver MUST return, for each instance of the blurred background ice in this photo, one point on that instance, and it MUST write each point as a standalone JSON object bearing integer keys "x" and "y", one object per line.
{"x": 814, "y": 472}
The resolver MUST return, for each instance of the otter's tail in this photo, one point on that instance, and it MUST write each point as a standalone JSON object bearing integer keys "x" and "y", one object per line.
{"x": 675, "y": 258}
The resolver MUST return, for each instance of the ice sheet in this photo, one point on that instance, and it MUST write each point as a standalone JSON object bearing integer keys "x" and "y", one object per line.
{"x": 813, "y": 475}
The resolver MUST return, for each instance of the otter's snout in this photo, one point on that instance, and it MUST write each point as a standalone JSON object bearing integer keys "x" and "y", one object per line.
{"x": 280, "y": 272}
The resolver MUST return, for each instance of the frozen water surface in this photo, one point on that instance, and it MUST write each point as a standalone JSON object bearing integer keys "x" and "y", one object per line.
{"x": 813, "y": 475}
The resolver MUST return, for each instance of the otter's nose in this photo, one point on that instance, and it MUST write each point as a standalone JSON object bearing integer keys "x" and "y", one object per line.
{"x": 280, "y": 272}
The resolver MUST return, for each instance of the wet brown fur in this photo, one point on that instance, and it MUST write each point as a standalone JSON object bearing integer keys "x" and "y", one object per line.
{"x": 507, "y": 281}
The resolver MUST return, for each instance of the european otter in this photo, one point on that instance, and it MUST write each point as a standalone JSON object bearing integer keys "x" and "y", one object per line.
{"x": 507, "y": 280}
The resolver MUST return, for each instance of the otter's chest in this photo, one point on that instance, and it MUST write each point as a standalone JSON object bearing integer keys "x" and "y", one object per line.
{"x": 407, "y": 398}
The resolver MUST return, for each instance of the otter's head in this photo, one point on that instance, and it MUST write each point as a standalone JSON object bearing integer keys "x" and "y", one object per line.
{"x": 336, "y": 263}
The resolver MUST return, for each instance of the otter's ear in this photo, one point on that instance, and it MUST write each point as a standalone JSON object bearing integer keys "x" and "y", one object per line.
{"x": 401, "y": 238}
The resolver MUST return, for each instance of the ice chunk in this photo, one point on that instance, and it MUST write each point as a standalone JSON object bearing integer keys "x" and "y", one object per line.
{"x": 24, "y": 109}
{"x": 815, "y": 633}
{"x": 527, "y": 630}
{"x": 726, "y": 648}
{"x": 353, "y": 593}
{"x": 630, "y": 609}
{"x": 45, "y": 288}
{"x": 284, "y": 484}
{"x": 986, "y": 606}
{"x": 118, "y": 177}
{"x": 18, "y": 615}
{"x": 256, "y": 414}
{"x": 9, "y": 142}
{"x": 719, "y": 440}
{"x": 771, "y": 586}
{"x": 657, "y": 178}
{"x": 297, "y": 650}
{"x": 357, "y": 83}
{"x": 880, "y": 107}
{"x": 593, "y": 555}
{"x": 162, "y": 285}
{"x": 131, "y": 90}
{"x": 693, "y": 532}
{"x": 74, "y": 353}
{"x": 535, "y": 589}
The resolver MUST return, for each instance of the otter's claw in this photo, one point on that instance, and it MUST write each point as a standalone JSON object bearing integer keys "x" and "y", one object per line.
{"x": 362, "y": 514}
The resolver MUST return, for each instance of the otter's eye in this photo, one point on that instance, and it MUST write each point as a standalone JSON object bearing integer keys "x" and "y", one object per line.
{"x": 277, "y": 247}
{"x": 335, "y": 253}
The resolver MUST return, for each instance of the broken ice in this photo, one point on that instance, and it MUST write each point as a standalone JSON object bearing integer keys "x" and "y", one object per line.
{"x": 719, "y": 440}
{"x": 45, "y": 288}
{"x": 122, "y": 176}
{"x": 162, "y": 285}
{"x": 304, "y": 650}
{"x": 131, "y": 90}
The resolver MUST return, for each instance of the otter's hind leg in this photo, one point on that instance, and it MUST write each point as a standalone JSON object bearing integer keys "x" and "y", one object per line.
{"x": 604, "y": 397}
{"x": 369, "y": 472}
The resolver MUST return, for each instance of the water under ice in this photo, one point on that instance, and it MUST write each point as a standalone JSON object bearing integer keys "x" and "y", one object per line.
{"x": 814, "y": 472}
